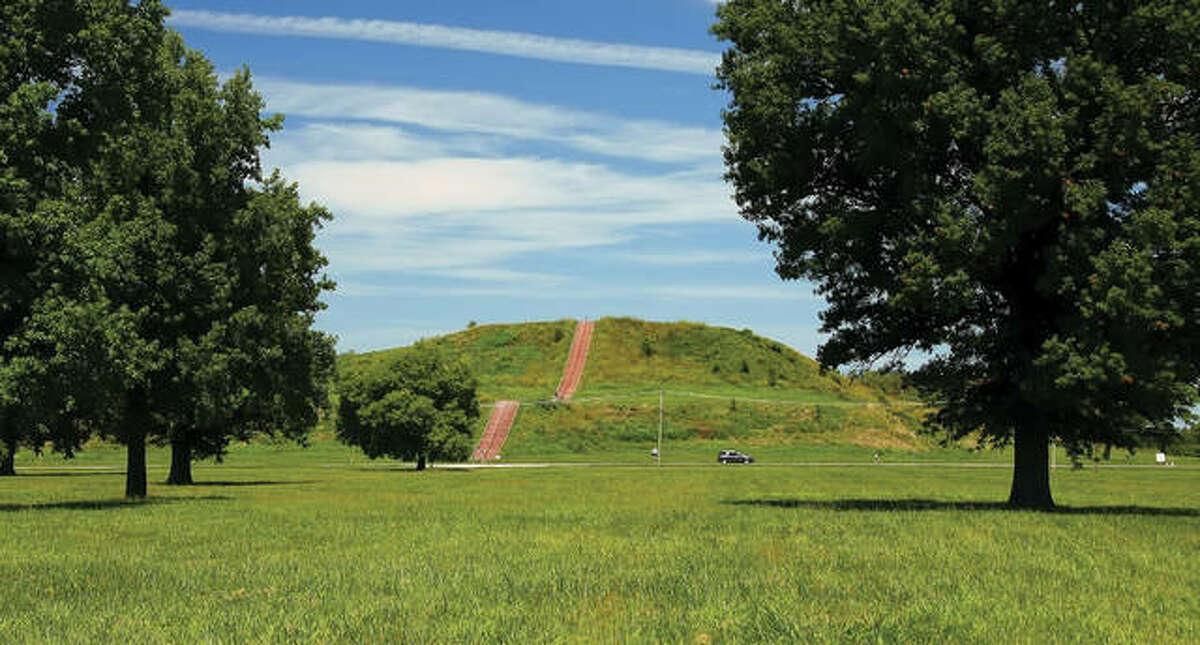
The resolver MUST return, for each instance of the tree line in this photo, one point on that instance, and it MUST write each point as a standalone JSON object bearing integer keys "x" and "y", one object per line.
{"x": 156, "y": 285}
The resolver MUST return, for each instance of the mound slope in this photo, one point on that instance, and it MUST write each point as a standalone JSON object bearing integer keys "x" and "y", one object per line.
{"x": 720, "y": 384}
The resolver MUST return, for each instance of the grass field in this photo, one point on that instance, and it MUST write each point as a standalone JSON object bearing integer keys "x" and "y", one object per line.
{"x": 283, "y": 544}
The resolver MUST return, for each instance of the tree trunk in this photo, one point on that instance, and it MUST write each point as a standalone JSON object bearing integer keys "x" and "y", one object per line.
{"x": 1031, "y": 470}
{"x": 181, "y": 464}
{"x": 137, "y": 427}
{"x": 421, "y": 461}
{"x": 135, "y": 464}
{"x": 7, "y": 468}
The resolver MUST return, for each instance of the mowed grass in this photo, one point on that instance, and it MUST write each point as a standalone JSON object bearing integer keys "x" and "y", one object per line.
{"x": 288, "y": 545}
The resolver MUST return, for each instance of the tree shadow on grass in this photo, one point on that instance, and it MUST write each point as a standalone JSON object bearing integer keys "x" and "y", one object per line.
{"x": 104, "y": 504}
{"x": 411, "y": 469}
{"x": 262, "y": 482}
{"x": 68, "y": 473}
{"x": 940, "y": 505}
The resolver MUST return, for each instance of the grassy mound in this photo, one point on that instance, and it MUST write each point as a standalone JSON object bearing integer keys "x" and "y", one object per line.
{"x": 628, "y": 353}
{"x": 717, "y": 384}
{"x": 511, "y": 361}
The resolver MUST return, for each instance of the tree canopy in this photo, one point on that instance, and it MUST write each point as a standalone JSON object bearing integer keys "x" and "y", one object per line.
{"x": 73, "y": 77}
{"x": 418, "y": 406}
{"x": 161, "y": 287}
{"x": 1013, "y": 187}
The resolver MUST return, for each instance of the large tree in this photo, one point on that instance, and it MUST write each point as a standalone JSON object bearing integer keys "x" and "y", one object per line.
{"x": 219, "y": 266}
{"x": 245, "y": 359}
{"x": 419, "y": 405}
{"x": 72, "y": 76}
{"x": 259, "y": 368}
{"x": 1011, "y": 186}
{"x": 157, "y": 286}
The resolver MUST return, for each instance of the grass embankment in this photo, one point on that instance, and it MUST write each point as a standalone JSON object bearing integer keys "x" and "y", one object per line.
{"x": 307, "y": 546}
{"x": 630, "y": 423}
{"x": 510, "y": 361}
{"x": 723, "y": 388}
{"x": 720, "y": 385}
{"x": 630, "y": 355}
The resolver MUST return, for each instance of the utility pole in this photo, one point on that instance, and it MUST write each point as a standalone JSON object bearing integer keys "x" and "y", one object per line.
{"x": 660, "y": 425}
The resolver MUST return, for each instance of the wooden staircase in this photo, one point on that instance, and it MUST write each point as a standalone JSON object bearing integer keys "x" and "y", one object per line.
{"x": 496, "y": 432}
{"x": 573, "y": 371}
{"x": 504, "y": 413}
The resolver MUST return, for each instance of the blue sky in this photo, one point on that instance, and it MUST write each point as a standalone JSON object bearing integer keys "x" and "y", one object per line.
{"x": 507, "y": 161}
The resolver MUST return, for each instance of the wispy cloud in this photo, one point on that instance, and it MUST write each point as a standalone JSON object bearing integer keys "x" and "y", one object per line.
{"x": 530, "y": 191}
{"x": 435, "y": 187}
{"x": 341, "y": 141}
{"x": 732, "y": 292}
{"x": 688, "y": 258}
{"x": 442, "y": 252}
{"x": 791, "y": 292}
{"x": 496, "y": 115}
{"x": 469, "y": 216}
{"x": 508, "y": 43}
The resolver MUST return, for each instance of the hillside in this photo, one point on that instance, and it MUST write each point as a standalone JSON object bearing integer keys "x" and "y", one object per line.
{"x": 719, "y": 385}
{"x": 511, "y": 361}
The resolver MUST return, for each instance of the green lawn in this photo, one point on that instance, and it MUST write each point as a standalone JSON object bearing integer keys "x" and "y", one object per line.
{"x": 319, "y": 545}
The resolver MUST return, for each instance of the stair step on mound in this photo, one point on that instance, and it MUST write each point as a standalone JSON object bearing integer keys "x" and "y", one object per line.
{"x": 573, "y": 371}
{"x": 496, "y": 432}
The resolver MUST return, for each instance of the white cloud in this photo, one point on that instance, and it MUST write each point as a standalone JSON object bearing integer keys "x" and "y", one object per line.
{"x": 687, "y": 258}
{"x": 356, "y": 287}
{"x": 732, "y": 292}
{"x": 466, "y": 252}
{"x": 359, "y": 141}
{"x": 508, "y": 43}
{"x": 437, "y": 109}
{"x": 565, "y": 291}
{"x": 534, "y": 191}
{"x": 420, "y": 185}
{"x": 467, "y": 217}
{"x": 496, "y": 115}
{"x": 495, "y": 274}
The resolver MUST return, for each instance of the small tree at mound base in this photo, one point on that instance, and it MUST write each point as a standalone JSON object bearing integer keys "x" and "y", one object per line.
{"x": 1012, "y": 186}
{"x": 419, "y": 406}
